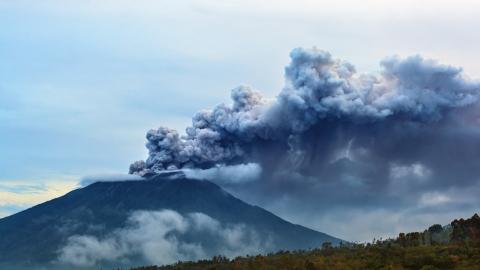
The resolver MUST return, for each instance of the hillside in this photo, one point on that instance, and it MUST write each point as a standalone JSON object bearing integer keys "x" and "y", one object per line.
{"x": 104, "y": 212}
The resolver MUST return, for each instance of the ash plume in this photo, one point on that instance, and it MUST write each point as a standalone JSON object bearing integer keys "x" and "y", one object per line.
{"x": 325, "y": 106}
{"x": 340, "y": 145}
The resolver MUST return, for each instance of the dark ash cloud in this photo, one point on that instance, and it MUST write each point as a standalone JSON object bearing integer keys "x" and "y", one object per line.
{"x": 337, "y": 139}
{"x": 320, "y": 93}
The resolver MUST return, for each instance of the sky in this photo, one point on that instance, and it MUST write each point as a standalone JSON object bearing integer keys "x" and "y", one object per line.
{"x": 82, "y": 81}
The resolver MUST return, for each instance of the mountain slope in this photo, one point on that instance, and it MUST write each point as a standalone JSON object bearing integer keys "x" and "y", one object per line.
{"x": 34, "y": 236}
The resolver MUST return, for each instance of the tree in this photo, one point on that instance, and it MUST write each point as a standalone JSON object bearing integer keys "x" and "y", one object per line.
{"x": 437, "y": 228}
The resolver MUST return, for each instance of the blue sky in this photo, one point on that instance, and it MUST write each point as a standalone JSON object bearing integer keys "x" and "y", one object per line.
{"x": 82, "y": 81}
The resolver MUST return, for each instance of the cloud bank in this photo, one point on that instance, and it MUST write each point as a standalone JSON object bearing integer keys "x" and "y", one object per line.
{"x": 161, "y": 237}
{"x": 337, "y": 139}
{"x": 16, "y": 195}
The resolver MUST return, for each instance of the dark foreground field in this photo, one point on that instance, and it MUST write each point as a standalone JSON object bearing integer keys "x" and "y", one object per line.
{"x": 443, "y": 256}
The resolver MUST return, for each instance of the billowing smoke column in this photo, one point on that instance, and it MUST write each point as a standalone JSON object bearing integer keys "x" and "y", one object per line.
{"x": 215, "y": 137}
{"x": 325, "y": 106}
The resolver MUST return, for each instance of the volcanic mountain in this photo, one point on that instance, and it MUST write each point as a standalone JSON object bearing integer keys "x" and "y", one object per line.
{"x": 53, "y": 233}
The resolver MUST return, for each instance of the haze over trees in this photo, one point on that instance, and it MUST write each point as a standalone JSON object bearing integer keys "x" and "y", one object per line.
{"x": 452, "y": 247}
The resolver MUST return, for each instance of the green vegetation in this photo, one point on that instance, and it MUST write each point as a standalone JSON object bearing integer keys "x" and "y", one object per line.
{"x": 452, "y": 247}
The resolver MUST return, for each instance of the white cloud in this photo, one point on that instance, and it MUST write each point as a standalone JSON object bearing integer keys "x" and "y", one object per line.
{"x": 415, "y": 170}
{"x": 227, "y": 174}
{"x": 404, "y": 178}
{"x": 434, "y": 199}
{"x": 158, "y": 238}
{"x": 86, "y": 250}
{"x": 87, "y": 180}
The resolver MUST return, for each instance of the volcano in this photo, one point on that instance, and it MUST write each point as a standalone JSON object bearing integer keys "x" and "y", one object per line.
{"x": 34, "y": 238}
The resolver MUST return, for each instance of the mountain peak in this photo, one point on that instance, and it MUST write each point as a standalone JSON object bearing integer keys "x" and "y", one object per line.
{"x": 107, "y": 211}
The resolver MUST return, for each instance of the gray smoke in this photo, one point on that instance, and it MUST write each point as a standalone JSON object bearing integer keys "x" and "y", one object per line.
{"x": 335, "y": 141}
{"x": 320, "y": 92}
